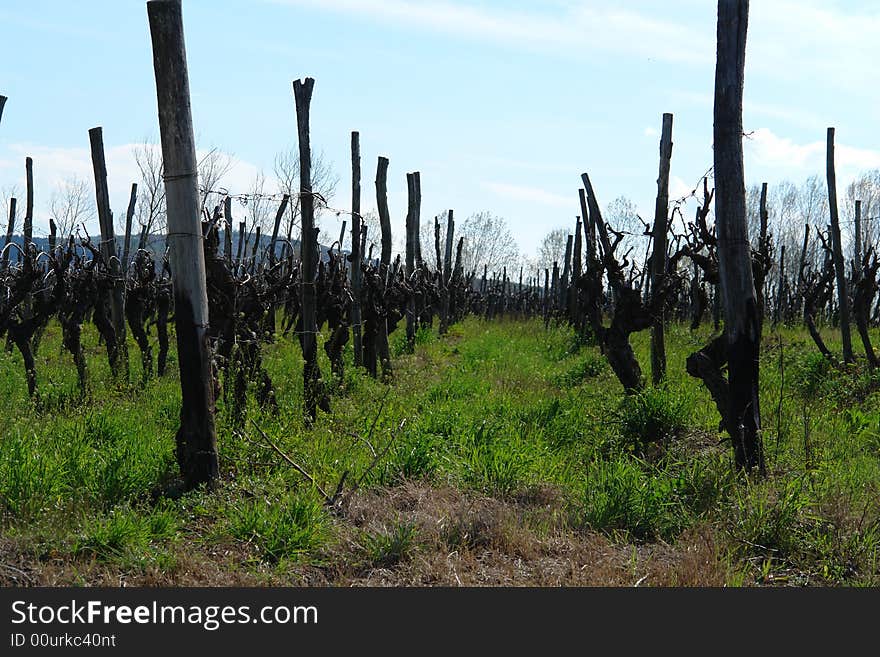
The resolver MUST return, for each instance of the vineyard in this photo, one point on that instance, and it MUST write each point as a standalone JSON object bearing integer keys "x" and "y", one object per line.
{"x": 680, "y": 404}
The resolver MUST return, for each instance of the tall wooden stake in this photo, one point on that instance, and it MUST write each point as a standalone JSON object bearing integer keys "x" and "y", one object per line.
{"x": 837, "y": 248}
{"x": 410, "y": 260}
{"x": 734, "y": 252}
{"x": 384, "y": 215}
{"x": 658, "y": 257}
{"x": 129, "y": 215}
{"x": 29, "y": 202}
{"x": 312, "y": 386}
{"x": 227, "y": 233}
{"x": 10, "y": 228}
{"x": 447, "y": 271}
{"x": 357, "y": 254}
{"x": 196, "y": 439}
{"x": 108, "y": 246}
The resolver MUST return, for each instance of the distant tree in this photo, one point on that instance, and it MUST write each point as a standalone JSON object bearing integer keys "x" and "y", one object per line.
{"x": 150, "y": 212}
{"x": 622, "y": 216}
{"x": 487, "y": 242}
{"x": 865, "y": 188}
{"x": 7, "y": 192}
{"x": 260, "y": 211}
{"x": 324, "y": 183}
{"x": 552, "y": 248}
{"x": 72, "y": 203}
{"x": 212, "y": 167}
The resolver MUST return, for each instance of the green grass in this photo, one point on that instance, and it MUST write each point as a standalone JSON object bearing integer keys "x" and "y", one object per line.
{"x": 494, "y": 409}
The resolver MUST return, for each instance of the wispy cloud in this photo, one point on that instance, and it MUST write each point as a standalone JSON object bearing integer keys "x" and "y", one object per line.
{"x": 574, "y": 28}
{"x": 772, "y": 150}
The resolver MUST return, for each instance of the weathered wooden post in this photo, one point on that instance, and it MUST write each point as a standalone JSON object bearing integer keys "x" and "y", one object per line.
{"x": 384, "y": 215}
{"x": 10, "y": 228}
{"x": 196, "y": 439}
{"x": 457, "y": 275}
{"x": 108, "y": 248}
{"x": 313, "y": 389}
{"x": 576, "y": 270}
{"x": 227, "y": 233}
{"x": 255, "y": 249}
{"x": 658, "y": 257}
{"x": 282, "y": 208}
{"x": 242, "y": 242}
{"x": 545, "y": 307}
{"x": 129, "y": 216}
{"x": 734, "y": 252}
{"x": 858, "y": 239}
{"x": 381, "y": 330}
{"x": 447, "y": 271}
{"x": 417, "y": 217}
{"x": 410, "y": 261}
{"x": 29, "y": 202}
{"x": 764, "y": 250}
{"x": 566, "y": 272}
{"x": 357, "y": 253}
{"x": 801, "y": 265}
{"x": 837, "y": 248}
{"x": 589, "y": 227}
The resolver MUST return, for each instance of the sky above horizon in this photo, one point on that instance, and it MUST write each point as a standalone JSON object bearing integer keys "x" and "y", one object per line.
{"x": 499, "y": 105}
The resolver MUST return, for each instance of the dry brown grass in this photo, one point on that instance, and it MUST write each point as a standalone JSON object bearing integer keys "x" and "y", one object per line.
{"x": 456, "y": 539}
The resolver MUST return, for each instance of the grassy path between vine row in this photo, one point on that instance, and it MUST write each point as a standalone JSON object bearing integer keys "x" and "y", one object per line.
{"x": 518, "y": 462}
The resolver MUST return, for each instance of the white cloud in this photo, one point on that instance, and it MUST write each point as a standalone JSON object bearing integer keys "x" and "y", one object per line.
{"x": 771, "y": 150}
{"x": 651, "y": 132}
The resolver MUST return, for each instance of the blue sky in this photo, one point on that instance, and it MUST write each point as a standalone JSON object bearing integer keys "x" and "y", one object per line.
{"x": 499, "y": 105}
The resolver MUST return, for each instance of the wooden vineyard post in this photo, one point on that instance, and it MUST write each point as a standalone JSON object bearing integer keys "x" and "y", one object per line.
{"x": 255, "y": 250}
{"x": 576, "y": 270}
{"x": 858, "y": 236}
{"x": 108, "y": 249}
{"x": 282, "y": 208}
{"x": 457, "y": 276}
{"x": 544, "y": 300}
{"x": 10, "y": 228}
{"x": 242, "y": 243}
{"x": 734, "y": 252}
{"x": 447, "y": 271}
{"x": 802, "y": 262}
{"x": 129, "y": 216}
{"x": 384, "y": 215}
{"x": 763, "y": 248}
{"x": 658, "y": 256}
{"x": 357, "y": 254}
{"x": 29, "y": 202}
{"x": 227, "y": 233}
{"x": 313, "y": 393}
{"x": 410, "y": 260}
{"x": 837, "y": 248}
{"x": 417, "y": 217}
{"x": 380, "y": 333}
{"x": 196, "y": 439}
{"x": 563, "y": 281}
